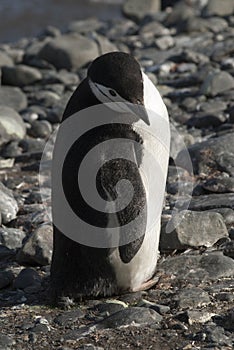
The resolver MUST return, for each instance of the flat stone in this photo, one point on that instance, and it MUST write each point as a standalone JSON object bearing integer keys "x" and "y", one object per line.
{"x": 13, "y": 97}
{"x": 6, "y": 278}
{"x": 11, "y": 124}
{"x": 131, "y": 316}
{"x": 195, "y": 316}
{"x": 69, "y": 51}
{"x": 27, "y": 278}
{"x": 208, "y": 266}
{"x": 207, "y": 202}
{"x": 68, "y": 317}
{"x": 193, "y": 229}
{"x": 8, "y": 204}
{"x": 137, "y": 9}
{"x": 20, "y": 75}
{"x": 207, "y": 120}
{"x": 11, "y": 238}
{"x": 216, "y": 83}
{"x": 5, "y": 60}
{"x": 37, "y": 249}
{"x": 213, "y": 154}
{"x": 215, "y": 7}
{"x": 109, "y": 308}
{"x": 192, "y": 298}
{"x": 219, "y": 185}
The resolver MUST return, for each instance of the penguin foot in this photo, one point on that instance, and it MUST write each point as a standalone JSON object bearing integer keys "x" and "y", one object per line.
{"x": 146, "y": 285}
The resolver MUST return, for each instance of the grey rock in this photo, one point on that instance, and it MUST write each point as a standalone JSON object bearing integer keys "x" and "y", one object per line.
{"x": 161, "y": 309}
{"x": 212, "y": 106}
{"x": 192, "y": 298}
{"x": 208, "y": 266}
{"x": 6, "y": 342}
{"x": 193, "y": 229}
{"x": 90, "y": 347}
{"x": 130, "y": 316}
{"x": 8, "y": 204}
{"x": 216, "y": 83}
{"x": 219, "y": 185}
{"x": 6, "y": 253}
{"x": 207, "y": 120}
{"x": 69, "y": 317}
{"x": 137, "y": 9}
{"x": 11, "y": 238}
{"x": 27, "y": 278}
{"x": 109, "y": 308}
{"x": 13, "y": 97}
{"x": 45, "y": 98}
{"x": 154, "y": 28}
{"x": 216, "y": 335}
{"x": 5, "y": 60}
{"x": 62, "y": 76}
{"x": 37, "y": 249}
{"x": 221, "y": 50}
{"x": 104, "y": 44}
{"x": 195, "y": 57}
{"x": 11, "y": 124}
{"x": 195, "y": 316}
{"x": 216, "y": 7}
{"x": 20, "y": 75}
{"x": 85, "y": 26}
{"x": 40, "y": 129}
{"x": 165, "y": 42}
{"x": 6, "y": 278}
{"x": 227, "y": 214}
{"x": 180, "y": 13}
{"x": 69, "y": 51}
{"x": 214, "y": 154}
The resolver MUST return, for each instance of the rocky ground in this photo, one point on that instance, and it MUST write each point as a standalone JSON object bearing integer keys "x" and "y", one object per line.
{"x": 187, "y": 51}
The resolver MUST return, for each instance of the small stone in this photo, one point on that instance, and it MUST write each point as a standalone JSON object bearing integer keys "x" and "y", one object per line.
{"x": 69, "y": 51}
{"x": 165, "y": 42}
{"x": 5, "y": 60}
{"x": 68, "y": 317}
{"x": 109, "y": 308}
{"x": 11, "y": 238}
{"x": 192, "y": 298}
{"x": 195, "y": 316}
{"x": 137, "y": 9}
{"x": 131, "y": 316}
{"x": 207, "y": 202}
{"x": 90, "y": 347}
{"x": 193, "y": 229}
{"x": 20, "y": 75}
{"x": 6, "y": 278}
{"x": 219, "y": 185}
{"x": 8, "y": 204}
{"x": 40, "y": 129}
{"x": 6, "y": 342}
{"x": 12, "y": 97}
{"x": 207, "y": 120}
{"x": 104, "y": 44}
{"x": 215, "y": 7}
{"x": 161, "y": 309}
{"x": 27, "y": 278}
{"x": 11, "y": 124}
{"x": 85, "y": 26}
{"x": 216, "y": 83}
{"x": 37, "y": 249}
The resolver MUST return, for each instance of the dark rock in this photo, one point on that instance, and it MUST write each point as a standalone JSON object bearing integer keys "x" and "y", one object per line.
{"x": 11, "y": 124}
{"x": 37, "y": 249}
{"x": 8, "y": 204}
{"x": 161, "y": 309}
{"x": 69, "y": 51}
{"x": 27, "y": 278}
{"x": 206, "y": 119}
{"x": 11, "y": 238}
{"x": 13, "y": 97}
{"x": 41, "y": 129}
{"x": 90, "y": 347}
{"x": 219, "y": 185}
{"x": 216, "y": 83}
{"x": 109, "y": 308}
{"x": 207, "y": 202}
{"x": 130, "y": 316}
{"x": 208, "y": 266}
{"x": 137, "y": 10}
{"x": 222, "y": 49}
{"x": 6, "y": 278}
{"x": 193, "y": 229}
{"x": 207, "y": 156}
{"x": 20, "y": 75}
{"x": 68, "y": 317}
{"x": 45, "y": 98}
{"x": 179, "y": 15}
{"x": 215, "y": 7}
{"x": 192, "y": 298}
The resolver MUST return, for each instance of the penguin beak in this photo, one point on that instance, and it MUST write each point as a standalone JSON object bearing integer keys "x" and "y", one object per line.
{"x": 141, "y": 112}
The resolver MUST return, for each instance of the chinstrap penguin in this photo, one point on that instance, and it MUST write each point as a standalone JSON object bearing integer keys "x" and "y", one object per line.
{"x": 81, "y": 271}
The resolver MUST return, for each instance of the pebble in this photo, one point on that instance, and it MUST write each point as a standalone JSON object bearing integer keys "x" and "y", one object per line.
{"x": 8, "y": 204}
{"x": 68, "y": 317}
{"x": 71, "y": 51}
{"x": 27, "y": 278}
{"x": 11, "y": 238}
{"x": 137, "y": 10}
{"x": 20, "y": 75}
{"x": 192, "y": 298}
{"x": 37, "y": 249}
{"x": 11, "y": 124}
{"x": 219, "y": 185}
{"x": 216, "y": 83}
{"x": 13, "y": 97}
{"x": 217, "y": 8}
{"x": 40, "y": 129}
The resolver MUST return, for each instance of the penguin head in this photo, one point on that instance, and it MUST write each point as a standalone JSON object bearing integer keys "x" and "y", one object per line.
{"x": 117, "y": 77}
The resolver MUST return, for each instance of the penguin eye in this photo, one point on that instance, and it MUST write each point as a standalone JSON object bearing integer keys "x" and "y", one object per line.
{"x": 112, "y": 93}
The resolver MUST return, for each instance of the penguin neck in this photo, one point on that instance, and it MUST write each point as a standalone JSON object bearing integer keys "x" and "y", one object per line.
{"x": 82, "y": 98}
